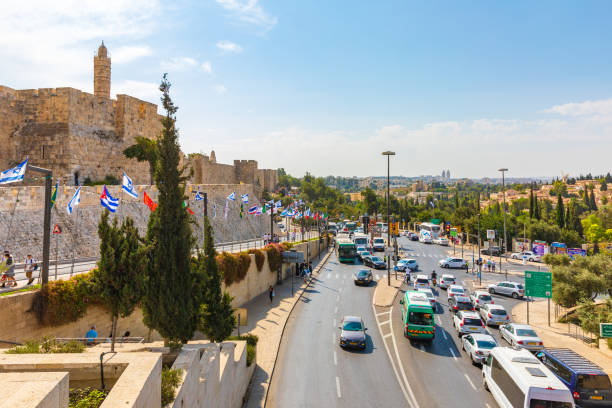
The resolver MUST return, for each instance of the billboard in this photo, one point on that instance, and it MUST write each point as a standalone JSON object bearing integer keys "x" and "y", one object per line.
{"x": 490, "y": 234}
{"x": 573, "y": 252}
{"x": 540, "y": 248}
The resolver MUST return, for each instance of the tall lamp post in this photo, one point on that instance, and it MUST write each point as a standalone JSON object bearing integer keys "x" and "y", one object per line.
{"x": 479, "y": 262}
{"x": 388, "y": 154}
{"x": 503, "y": 171}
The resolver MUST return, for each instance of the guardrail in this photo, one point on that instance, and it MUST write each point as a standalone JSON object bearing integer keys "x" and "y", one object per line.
{"x": 99, "y": 340}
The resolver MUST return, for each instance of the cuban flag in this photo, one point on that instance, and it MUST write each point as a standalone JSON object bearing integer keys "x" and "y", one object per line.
{"x": 74, "y": 201}
{"x": 108, "y": 201}
{"x": 232, "y": 197}
{"x": 252, "y": 210}
{"x": 245, "y": 198}
{"x": 15, "y": 174}
{"x": 128, "y": 186}
{"x": 198, "y": 197}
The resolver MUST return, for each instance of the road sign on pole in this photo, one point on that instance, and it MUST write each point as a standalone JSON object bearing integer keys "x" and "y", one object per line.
{"x": 490, "y": 234}
{"x": 57, "y": 229}
{"x": 605, "y": 330}
{"x": 538, "y": 284}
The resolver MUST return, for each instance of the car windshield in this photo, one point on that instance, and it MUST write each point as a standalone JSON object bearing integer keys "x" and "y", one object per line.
{"x": 526, "y": 333}
{"x": 346, "y": 252}
{"x": 538, "y": 403}
{"x": 470, "y": 321}
{"x": 486, "y": 344}
{"x": 422, "y": 280}
{"x": 457, "y": 290}
{"x": 485, "y": 298}
{"x": 376, "y": 259}
{"x": 362, "y": 274}
{"x": 352, "y": 326}
{"x": 519, "y": 286}
{"x": 420, "y": 318}
{"x": 593, "y": 382}
{"x": 379, "y": 241}
{"x": 499, "y": 312}
{"x": 465, "y": 305}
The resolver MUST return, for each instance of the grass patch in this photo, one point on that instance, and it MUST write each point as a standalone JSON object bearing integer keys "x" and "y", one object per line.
{"x": 251, "y": 340}
{"x": 169, "y": 382}
{"x": 26, "y": 289}
{"x": 46, "y": 346}
{"x": 86, "y": 397}
{"x": 609, "y": 343}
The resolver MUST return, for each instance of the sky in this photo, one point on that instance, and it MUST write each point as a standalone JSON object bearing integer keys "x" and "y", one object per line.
{"x": 326, "y": 86}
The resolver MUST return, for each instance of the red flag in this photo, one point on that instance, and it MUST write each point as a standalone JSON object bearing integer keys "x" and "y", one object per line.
{"x": 150, "y": 203}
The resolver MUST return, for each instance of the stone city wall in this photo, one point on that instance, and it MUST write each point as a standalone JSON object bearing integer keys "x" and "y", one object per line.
{"x": 21, "y": 217}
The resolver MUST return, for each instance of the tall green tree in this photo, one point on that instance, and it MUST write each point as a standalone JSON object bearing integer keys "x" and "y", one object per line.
{"x": 604, "y": 185}
{"x": 592, "y": 203}
{"x": 144, "y": 149}
{"x": 536, "y": 209}
{"x": 217, "y": 315}
{"x": 560, "y": 212}
{"x": 573, "y": 220}
{"x": 531, "y": 202}
{"x": 170, "y": 306}
{"x": 120, "y": 276}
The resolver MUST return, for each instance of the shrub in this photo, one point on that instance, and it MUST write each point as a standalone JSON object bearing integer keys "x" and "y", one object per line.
{"x": 233, "y": 267}
{"x": 47, "y": 345}
{"x": 274, "y": 256}
{"x": 251, "y": 340}
{"x": 169, "y": 382}
{"x": 86, "y": 398}
{"x": 259, "y": 259}
{"x": 244, "y": 261}
{"x": 286, "y": 245}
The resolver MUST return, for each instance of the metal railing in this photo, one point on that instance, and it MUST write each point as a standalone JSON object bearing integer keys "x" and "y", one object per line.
{"x": 101, "y": 340}
{"x": 576, "y": 332}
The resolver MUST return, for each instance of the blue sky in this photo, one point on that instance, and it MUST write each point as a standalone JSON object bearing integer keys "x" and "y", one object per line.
{"x": 325, "y": 86}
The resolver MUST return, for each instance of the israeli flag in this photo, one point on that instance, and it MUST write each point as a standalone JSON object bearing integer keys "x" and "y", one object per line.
{"x": 128, "y": 186}
{"x": 15, "y": 174}
{"x": 108, "y": 201}
{"x": 245, "y": 198}
{"x": 232, "y": 197}
{"x": 74, "y": 201}
{"x": 285, "y": 213}
{"x": 198, "y": 197}
{"x": 214, "y": 210}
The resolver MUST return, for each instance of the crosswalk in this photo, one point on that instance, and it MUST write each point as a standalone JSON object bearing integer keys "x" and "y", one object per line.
{"x": 325, "y": 276}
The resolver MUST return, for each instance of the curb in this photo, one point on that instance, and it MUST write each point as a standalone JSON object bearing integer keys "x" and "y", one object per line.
{"x": 301, "y": 293}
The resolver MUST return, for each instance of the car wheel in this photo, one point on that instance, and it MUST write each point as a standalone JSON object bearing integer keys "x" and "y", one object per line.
{"x": 531, "y": 260}
{"x": 484, "y": 383}
{"x": 515, "y": 295}
{"x": 492, "y": 291}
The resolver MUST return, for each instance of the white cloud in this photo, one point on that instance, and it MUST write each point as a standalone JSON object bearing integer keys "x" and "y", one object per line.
{"x": 130, "y": 53}
{"x": 229, "y": 46}
{"x": 249, "y": 11}
{"x": 220, "y": 89}
{"x": 587, "y": 108}
{"x": 207, "y": 67}
{"x": 178, "y": 64}
{"x": 147, "y": 91}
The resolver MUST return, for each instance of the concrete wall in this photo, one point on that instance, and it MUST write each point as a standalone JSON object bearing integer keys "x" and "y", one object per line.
{"x": 35, "y": 390}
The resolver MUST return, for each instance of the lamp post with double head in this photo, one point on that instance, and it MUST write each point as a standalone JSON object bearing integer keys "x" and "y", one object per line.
{"x": 388, "y": 154}
{"x": 503, "y": 171}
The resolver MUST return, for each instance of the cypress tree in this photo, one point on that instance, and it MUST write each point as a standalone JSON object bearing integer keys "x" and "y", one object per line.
{"x": 585, "y": 197}
{"x": 456, "y": 200}
{"x": 217, "y": 316}
{"x": 531, "y": 202}
{"x": 560, "y": 212}
{"x": 170, "y": 305}
{"x": 592, "y": 203}
{"x": 536, "y": 209}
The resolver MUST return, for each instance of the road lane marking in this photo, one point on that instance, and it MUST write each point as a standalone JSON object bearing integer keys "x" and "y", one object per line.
{"x": 413, "y": 401}
{"x": 386, "y": 335}
{"x": 385, "y": 322}
{"x": 334, "y": 322}
{"x": 334, "y": 338}
{"x": 381, "y": 313}
{"x": 335, "y": 358}
{"x": 338, "y": 387}
{"x": 444, "y": 334}
{"x": 336, "y": 310}
{"x": 453, "y": 353}
{"x": 470, "y": 381}
{"x": 337, "y": 276}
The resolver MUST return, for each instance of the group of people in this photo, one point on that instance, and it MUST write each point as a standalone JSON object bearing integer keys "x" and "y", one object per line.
{"x": 304, "y": 270}
{"x": 8, "y": 275}
{"x": 268, "y": 238}
{"x": 92, "y": 335}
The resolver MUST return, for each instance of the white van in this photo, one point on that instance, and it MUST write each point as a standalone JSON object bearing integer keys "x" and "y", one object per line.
{"x": 516, "y": 379}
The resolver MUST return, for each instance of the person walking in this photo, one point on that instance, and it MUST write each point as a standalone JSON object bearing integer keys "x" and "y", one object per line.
{"x": 271, "y": 293}
{"x": 9, "y": 274}
{"x": 493, "y": 266}
{"x": 30, "y": 265}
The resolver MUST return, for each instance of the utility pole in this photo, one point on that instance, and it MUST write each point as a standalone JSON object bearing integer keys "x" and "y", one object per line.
{"x": 503, "y": 171}
{"x": 479, "y": 263}
{"x": 388, "y": 154}
{"x": 46, "y": 222}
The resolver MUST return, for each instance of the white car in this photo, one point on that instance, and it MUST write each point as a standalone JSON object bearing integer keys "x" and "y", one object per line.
{"x": 451, "y": 263}
{"x": 468, "y": 322}
{"x": 441, "y": 241}
{"x": 494, "y": 314}
{"x": 530, "y": 256}
{"x": 521, "y": 335}
{"x": 455, "y": 290}
{"x": 430, "y": 296}
{"x": 421, "y": 282}
{"x": 378, "y": 244}
{"x": 478, "y": 346}
{"x": 447, "y": 280}
{"x": 480, "y": 298}
{"x": 516, "y": 290}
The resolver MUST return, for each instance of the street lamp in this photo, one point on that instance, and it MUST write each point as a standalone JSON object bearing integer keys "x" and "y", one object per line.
{"x": 503, "y": 171}
{"x": 388, "y": 154}
{"x": 479, "y": 262}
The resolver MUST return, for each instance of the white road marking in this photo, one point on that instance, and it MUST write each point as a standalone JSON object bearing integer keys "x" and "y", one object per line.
{"x": 335, "y": 358}
{"x": 413, "y": 401}
{"x": 382, "y": 313}
{"x": 385, "y": 322}
{"x": 444, "y": 334}
{"x": 470, "y": 381}
{"x": 338, "y": 387}
{"x": 337, "y": 298}
{"x": 387, "y": 335}
{"x": 340, "y": 290}
{"x": 453, "y": 353}
{"x": 334, "y": 323}
{"x": 334, "y": 338}
{"x": 336, "y": 310}
{"x": 337, "y": 276}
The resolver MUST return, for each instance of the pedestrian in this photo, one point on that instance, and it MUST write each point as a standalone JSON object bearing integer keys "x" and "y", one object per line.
{"x": 9, "y": 273}
{"x": 493, "y": 266}
{"x": 488, "y": 265}
{"x": 407, "y": 276}
{"x": 91, "y": 335}
{"x": 30, "y": 265}
{"x": 271, "y": 293}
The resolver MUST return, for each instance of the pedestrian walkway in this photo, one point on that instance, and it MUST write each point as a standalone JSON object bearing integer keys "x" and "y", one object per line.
{"x": 556, "y": 335}
{"x": 267, "y": 321}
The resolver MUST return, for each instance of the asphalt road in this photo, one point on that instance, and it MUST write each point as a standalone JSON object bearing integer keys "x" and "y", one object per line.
{"x": 312, "y": 370}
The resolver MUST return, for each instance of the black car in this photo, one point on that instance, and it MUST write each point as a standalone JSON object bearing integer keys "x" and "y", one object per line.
{"x": 374, "y": 262}
{"x": 363, "y": 277}
{"x": 413, "y": 237}
{"x": 493, "y": 251}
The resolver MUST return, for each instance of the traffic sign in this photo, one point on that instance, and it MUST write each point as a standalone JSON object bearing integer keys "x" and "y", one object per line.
{"x": 538, "y": 284}
{"x": 453, "y": 233}
{"x": 57, "y": 229}
{"x": 490, "y": 234}
{"x": 435, "y": 221}
{"x": 605, "y": 330}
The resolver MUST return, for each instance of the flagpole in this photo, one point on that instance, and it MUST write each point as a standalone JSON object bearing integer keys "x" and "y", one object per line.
{"x": 74, "y": 231}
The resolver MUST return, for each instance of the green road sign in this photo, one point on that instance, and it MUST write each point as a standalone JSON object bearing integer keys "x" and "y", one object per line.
{"x": 605, "y": 330}
{"x": 538, "y": 284}
{"x": 435, "y": 221}
{"x": 453, "y": 233}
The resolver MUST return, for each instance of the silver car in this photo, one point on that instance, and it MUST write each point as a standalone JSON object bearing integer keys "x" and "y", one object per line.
{"x": 494, "y": 315}
{"x": 447, "y": 280}
{"x": 478, "y": 346}
{"x": 352, "y": 332}
{"x": 516, "y": 290}
{"x": 521, "y": 335}
{"x": 480, "y": 298}
{"x": 468, "y": 322}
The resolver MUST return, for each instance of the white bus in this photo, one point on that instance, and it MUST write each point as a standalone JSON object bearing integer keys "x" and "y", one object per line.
{"x": 517, "y": 379}
{"x": 361, "y": 240}
{"x": 433, "y": 229}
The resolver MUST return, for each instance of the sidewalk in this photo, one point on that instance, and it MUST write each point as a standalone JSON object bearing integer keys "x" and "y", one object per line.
{"x": 267, "y": 321}
{"x": 384, "y": 295}
{"x": 557, "y": 334}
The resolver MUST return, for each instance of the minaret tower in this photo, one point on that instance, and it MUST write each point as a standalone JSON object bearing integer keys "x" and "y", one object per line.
{"x": 102, "y": 72}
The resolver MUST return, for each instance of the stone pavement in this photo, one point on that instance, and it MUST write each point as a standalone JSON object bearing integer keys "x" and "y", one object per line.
{"x": 556, "y": 335}
{"x": 384, "y": 295}
{"x": 267, "y": 320}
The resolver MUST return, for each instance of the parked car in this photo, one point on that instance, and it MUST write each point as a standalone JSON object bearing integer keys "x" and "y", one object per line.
{"x": 455, "y": 290}
{"x": 516, "y": 290}
{"x": 374, "y": 262}
{"x": 478, "y": 346}
{"x": 492, "y": 250}
{"x": 352, "y": 332}
{"x": 378, "y": 244}
{"x": 480, "y": 298}
{"x": 421, "y": 282}
{"x": 589, "y": 384}
{"x": 494, "y": 314}
{"x": 407, "y": 263}
{"x": 468, "y": 322}
{"x": 447, "y": 280}
{"x": 363, "y": 277}
{"x": 441, "y": 241}
{"x": 459, "y": 303}
{"x": 430, "y": 296}
{"x": 521, "y": 335}
{"x": 530, "y": 256}
{"x": 413, "y": 237}
{"x": 452, "y": 263}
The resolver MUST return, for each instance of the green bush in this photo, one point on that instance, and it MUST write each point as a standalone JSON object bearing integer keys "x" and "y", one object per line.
{"x": 274, "y": 256}
{"x": 259, "y": 259}
{"x": 233, "y": 267}
{"x": 47, "y": 346}
{"x": 251, "y": 340}
{"x": 169, "y": 382}
{"x": 86, "y": 398}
